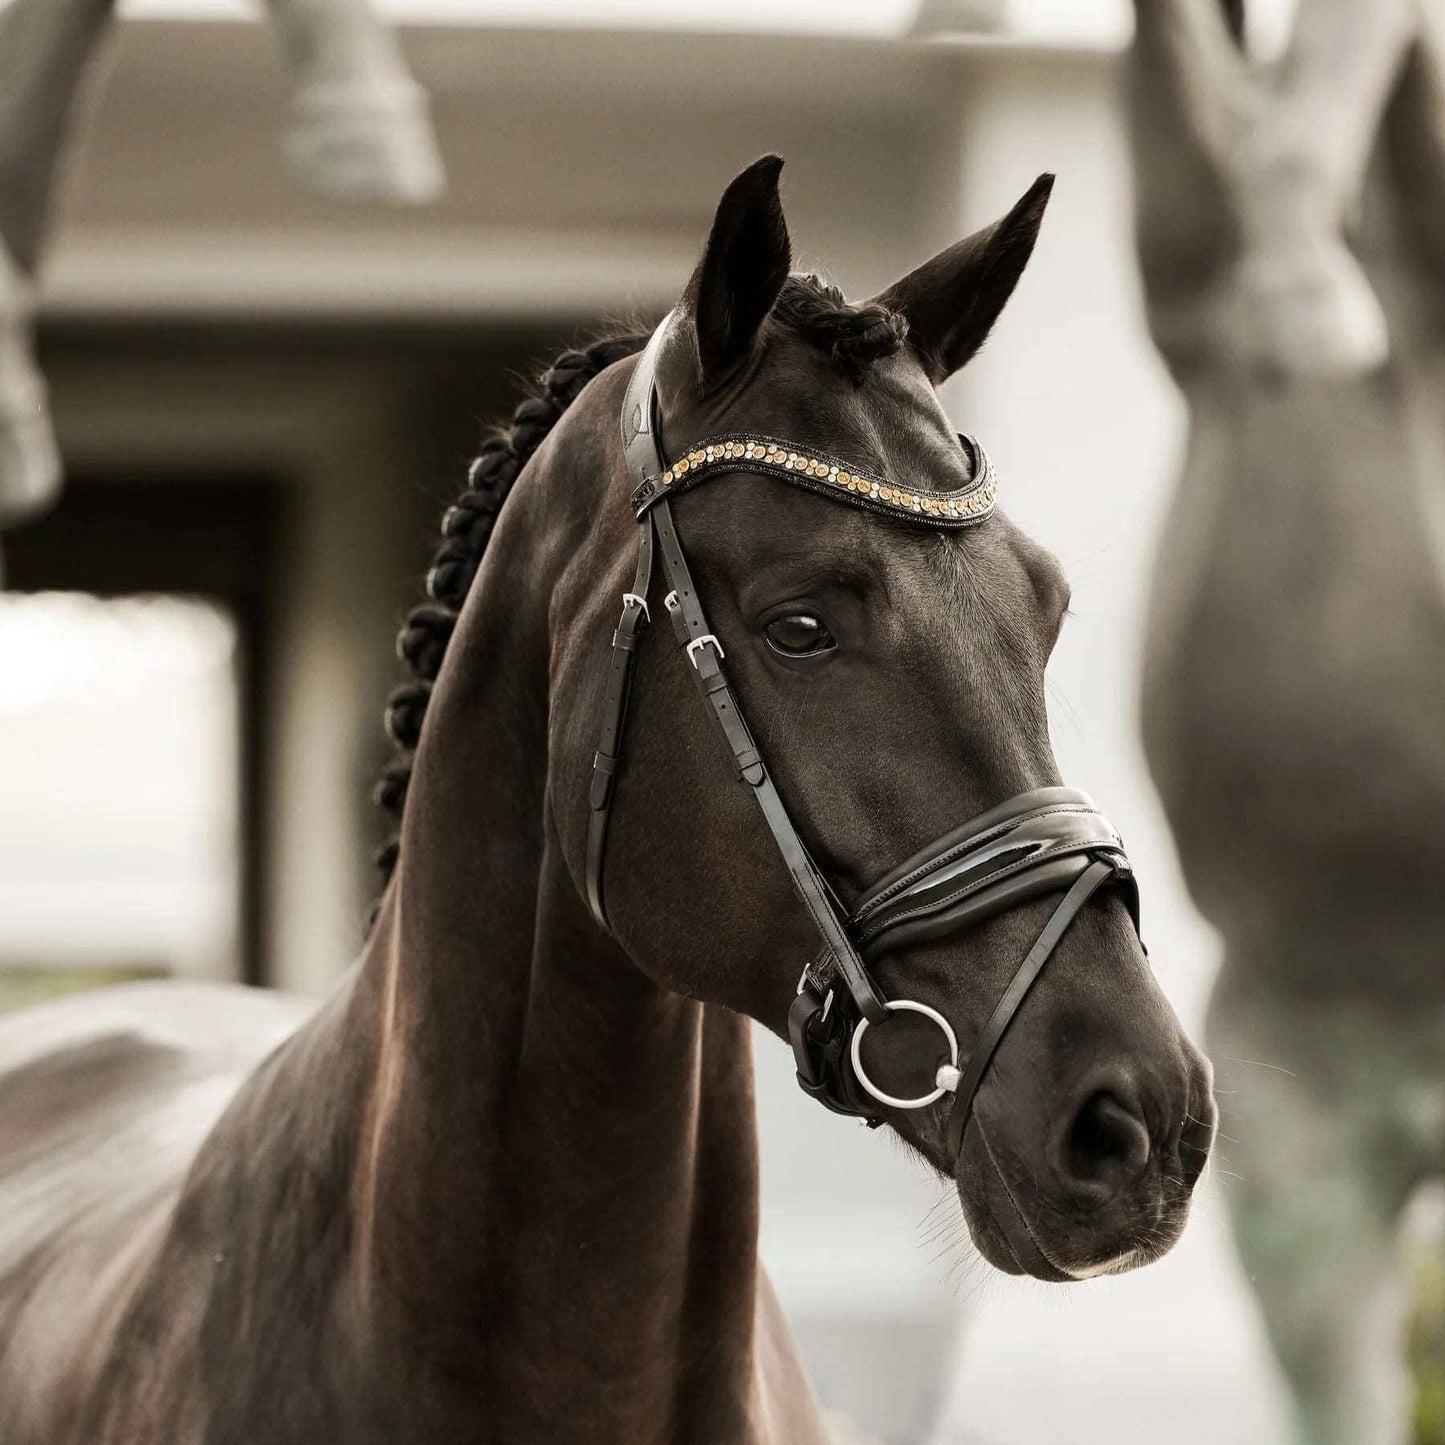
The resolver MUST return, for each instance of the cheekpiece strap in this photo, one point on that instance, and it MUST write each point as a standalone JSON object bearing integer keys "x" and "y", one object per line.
{"x": 705, "y": 653}
{"x": 644, "y": 459}
{"x": 607, "y": 761}
{"x": 828, "y": 476}
{"x": 642, "y": 448}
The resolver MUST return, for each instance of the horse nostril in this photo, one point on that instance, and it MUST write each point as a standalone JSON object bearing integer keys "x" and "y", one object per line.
{"x": 1107, "y": 1145}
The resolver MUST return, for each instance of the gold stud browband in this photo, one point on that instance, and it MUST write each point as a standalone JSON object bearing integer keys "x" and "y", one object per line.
{"x": 829, "y": 476}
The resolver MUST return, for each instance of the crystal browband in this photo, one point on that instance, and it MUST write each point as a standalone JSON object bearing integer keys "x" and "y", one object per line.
{"x": 822, "y": 473}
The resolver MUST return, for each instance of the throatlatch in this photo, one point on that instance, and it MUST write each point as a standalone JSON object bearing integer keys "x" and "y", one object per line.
{"x": 1050, "y": 840}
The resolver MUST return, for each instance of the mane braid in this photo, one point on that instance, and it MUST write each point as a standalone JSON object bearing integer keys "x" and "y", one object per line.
{"x": 466, "y": 528}
{"x": 853, "y": 336}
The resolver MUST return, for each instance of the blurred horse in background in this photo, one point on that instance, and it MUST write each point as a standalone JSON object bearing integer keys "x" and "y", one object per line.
{"x": 1291, "y": 232}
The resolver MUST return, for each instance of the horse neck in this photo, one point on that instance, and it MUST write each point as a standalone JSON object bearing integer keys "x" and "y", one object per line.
{"x": 557, "y": 1190}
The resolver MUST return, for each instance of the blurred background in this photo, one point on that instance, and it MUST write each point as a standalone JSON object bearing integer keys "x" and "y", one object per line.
{"x": 264, "y": 399}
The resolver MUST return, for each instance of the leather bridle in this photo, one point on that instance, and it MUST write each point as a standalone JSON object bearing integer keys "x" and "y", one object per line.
{"x": 1045, "y": 841}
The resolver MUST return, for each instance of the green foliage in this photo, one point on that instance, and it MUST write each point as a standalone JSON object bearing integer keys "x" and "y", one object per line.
{"x": 1427, "y": 1347}
{"x": 20, "y": 987}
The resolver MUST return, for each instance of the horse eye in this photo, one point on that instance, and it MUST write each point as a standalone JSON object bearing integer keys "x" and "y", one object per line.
{"x": 801, "y": 635}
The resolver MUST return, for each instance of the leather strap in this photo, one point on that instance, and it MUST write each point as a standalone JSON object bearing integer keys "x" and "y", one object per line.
{"x": 644, "y": 458}
{"x": 1094, "y": 876}
{"x": 1031, "y": 845}
{"x": 608, "y": 759}
{"x": 641, "y": 447}
{"x": 820, "y": 1034}
{"x": 829, "y": 476}
{"x": 705, "y": 654}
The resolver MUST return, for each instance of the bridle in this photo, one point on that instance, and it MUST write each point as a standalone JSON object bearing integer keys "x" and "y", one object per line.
{"x": 1040, "y": 842}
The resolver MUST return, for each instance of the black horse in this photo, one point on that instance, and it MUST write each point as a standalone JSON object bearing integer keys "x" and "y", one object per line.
{"x": 502, "y": 1185}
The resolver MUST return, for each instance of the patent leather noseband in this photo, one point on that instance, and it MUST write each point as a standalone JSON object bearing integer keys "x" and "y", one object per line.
{"x": 1048, "y": 841}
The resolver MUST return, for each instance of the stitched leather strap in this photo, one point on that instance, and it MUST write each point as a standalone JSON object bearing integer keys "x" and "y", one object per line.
{"x": 644, "y": 458}
{"x": 1029, "y": 846}
{"x": 1094, "y": 876}
{"x": 640, "y": 445}
{"x": 608, "y": 760}
{"x": 705, "y": 655}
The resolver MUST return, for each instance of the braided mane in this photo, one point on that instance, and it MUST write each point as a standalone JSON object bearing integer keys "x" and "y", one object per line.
{"x": 852, "y": 336}
{"x": 466, "y": 528}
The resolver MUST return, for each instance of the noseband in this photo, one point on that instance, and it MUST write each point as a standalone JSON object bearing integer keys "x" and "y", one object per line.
{"x": 1047, "y": 841}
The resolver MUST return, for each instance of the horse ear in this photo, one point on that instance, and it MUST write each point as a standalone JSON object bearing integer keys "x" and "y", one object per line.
{"x": 742, "y": 270}
{"x": 952, "y": 301}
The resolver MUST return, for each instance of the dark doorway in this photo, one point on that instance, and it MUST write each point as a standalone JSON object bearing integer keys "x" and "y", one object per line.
{"x": 218, "y": 538}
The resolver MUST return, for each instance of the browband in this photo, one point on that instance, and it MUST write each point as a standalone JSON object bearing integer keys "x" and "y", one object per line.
{"x": 833, "y": 478}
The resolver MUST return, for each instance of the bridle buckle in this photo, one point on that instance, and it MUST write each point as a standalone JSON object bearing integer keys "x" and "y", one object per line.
{"x": 630, "y": 597}
{"x": 805, "y": 982}
{"x": 700, "y": 642}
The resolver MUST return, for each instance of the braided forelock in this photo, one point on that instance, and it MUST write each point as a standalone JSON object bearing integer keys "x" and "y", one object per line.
{"x": 853, "y": 336}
